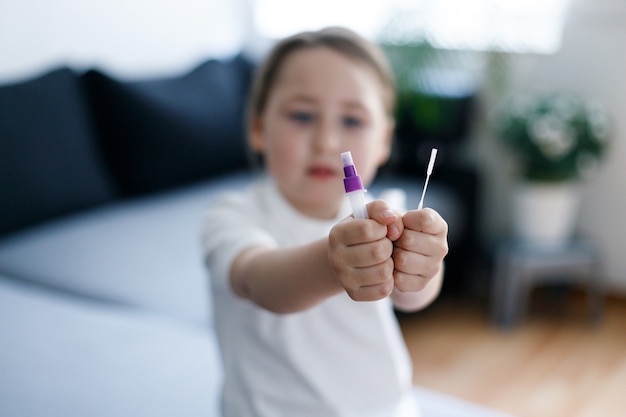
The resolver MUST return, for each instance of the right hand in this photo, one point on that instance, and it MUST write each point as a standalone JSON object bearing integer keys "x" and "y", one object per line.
{"x": 360, "y": 252}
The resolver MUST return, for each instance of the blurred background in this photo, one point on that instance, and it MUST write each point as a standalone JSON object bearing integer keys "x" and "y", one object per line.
{"x": 486, "y": 49}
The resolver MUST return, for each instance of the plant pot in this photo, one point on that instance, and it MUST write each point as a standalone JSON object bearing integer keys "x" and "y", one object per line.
{"x": 545, "y": 214}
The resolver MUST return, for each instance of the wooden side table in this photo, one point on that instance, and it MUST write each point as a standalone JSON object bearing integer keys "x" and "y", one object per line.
{"x": 520, "y": 266}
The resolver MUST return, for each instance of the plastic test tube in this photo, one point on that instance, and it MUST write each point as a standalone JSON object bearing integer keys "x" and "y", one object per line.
{"x": 354, "y": 187}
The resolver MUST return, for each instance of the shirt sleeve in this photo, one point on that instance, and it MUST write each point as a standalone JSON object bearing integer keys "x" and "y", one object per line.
{"x": 231, "y": 225}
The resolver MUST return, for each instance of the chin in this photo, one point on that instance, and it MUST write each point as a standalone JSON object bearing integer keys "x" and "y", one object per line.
{"x": 322, "y": 208}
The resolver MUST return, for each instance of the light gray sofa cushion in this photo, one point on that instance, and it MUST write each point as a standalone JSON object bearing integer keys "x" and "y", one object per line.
{"x": 63, "y": 356}
{"x": 143, "y": 252}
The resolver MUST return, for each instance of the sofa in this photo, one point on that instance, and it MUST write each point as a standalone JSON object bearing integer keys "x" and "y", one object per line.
{"x": 105, "y": 306}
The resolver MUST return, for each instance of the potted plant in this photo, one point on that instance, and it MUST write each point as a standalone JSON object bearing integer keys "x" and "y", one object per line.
{"x": 557, "y": 139}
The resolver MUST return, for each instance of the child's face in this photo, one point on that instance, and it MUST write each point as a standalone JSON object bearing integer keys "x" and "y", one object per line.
{"x": 322, "y": 104}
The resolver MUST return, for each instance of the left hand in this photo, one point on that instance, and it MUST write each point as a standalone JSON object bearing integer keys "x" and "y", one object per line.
{"x": 419, "y": 252}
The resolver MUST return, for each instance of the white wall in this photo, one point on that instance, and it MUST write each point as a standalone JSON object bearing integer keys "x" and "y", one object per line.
{"x": 592, "y": 61}
{"x": 126, "y": 37}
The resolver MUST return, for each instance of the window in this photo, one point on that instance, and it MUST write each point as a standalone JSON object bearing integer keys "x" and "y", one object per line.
{"x": 502, "y": 25}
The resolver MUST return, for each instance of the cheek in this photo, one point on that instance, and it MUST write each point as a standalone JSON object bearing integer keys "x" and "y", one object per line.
{"x": 282, "y": 154}
{"x": 368, "y": 156}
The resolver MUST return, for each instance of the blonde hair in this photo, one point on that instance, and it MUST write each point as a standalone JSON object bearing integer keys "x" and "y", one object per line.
{"x": 341, "y": 40}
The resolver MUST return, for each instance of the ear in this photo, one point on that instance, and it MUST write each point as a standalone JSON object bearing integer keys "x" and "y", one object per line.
{"x": 255, "y": 135}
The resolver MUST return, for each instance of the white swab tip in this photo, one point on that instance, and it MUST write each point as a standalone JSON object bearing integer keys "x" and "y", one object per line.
{"x": 431, "y": 163}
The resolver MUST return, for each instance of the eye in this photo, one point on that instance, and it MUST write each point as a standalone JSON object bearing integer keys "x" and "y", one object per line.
{"x": 302, "y": 117}
{"x": 352, "y": 122}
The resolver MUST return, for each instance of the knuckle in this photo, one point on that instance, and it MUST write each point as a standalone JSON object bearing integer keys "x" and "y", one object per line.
{"x": 430, "y": 270}
{"x": 444, "y": 249}
{"x": 384, "y": 289}
{"x": 371, "y": 231}
{"x": 410, "y": 283}
{"x": 421, "y": 283}
{"x": 409, "y": 239}
{"x": 444, "y": 225}
{"x": 388, "y": 268}
{"x": 400, "y": 259}
{"x": 334, "y": 239}
{"x": 400, "y": 281}
{"x": 381, "y": 250}
{"x": 384, "y": 279}
{"x": 380, "y": 273}
{"x": 353, "y": 294}
{"x": 387, "y": 288}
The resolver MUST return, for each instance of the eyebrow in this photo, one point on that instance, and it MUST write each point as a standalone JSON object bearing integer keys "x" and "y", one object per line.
{"x": 349, "y": 104}
{"x": 301, "y": 98}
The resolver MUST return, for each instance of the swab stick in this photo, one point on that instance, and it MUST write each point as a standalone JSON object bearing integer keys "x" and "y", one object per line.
{"x": 431, "y": 164}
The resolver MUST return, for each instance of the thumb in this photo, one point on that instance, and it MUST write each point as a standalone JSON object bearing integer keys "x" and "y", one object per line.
{"x": 381, "y": 212}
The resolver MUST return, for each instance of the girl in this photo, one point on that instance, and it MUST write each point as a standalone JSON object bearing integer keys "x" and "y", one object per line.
{"x": 303, "y": 292}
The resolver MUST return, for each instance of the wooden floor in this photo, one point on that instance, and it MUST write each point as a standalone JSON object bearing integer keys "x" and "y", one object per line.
{"x": 556, "y": 364}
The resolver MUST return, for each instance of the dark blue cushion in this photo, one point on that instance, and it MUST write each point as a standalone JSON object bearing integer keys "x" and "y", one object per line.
{"x": 166, "y": 132}
{"x": 48, "y": 163}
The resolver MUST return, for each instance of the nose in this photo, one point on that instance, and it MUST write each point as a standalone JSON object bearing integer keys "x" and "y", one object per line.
{"x": 326, "y": 138}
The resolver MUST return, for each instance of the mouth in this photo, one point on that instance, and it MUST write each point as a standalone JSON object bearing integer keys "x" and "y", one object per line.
{"x": 322, "y": 172}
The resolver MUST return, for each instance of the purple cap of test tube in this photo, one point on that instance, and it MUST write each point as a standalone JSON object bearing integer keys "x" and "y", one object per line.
{"x": 352, "y": 181}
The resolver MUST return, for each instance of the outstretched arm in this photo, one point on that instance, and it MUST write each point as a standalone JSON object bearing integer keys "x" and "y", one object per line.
{"x": 356, "y": 257}
{"x": 285, "y": 280}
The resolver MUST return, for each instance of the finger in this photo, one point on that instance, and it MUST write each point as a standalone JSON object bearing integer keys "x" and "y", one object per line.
{"x": 409, "y": 283}
{"x": 381, "y": 212}
{"x": 422, "y": 243}
{"x": 368, "y": 254}
{"x": 372, "y": 283}
{"x": 426, "y": 220}
{"x": 412, "y": 263}
{"x": 352, "y": 231}
{"x": 373, "y": 292}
